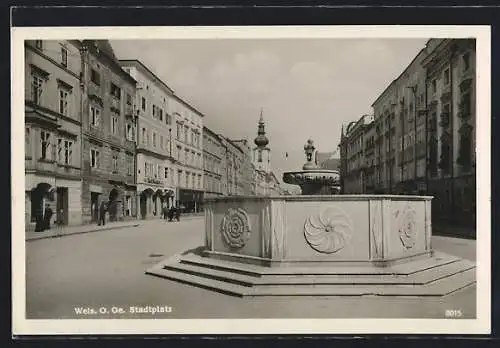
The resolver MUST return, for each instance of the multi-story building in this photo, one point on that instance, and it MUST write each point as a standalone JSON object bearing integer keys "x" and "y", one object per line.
{"x": 233, "y": 159}
{"x": 354, "y": 180}
{"x": 154, "y": 162}
{"x": 423, "y": 132}
{"x": 451, "y": 119}
{"x": 53, "y": 130}
{"x": 246, "y": 169}
{"x": 213, "y": 163}
{"x": 108, "y": 114}
{"x": 187, "y": 151}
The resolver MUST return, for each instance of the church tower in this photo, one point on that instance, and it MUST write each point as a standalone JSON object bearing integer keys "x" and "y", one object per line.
{"x": 262, "y": 153}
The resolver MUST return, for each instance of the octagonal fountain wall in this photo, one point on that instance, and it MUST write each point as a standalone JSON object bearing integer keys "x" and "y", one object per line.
{"x": 318, "y": 230}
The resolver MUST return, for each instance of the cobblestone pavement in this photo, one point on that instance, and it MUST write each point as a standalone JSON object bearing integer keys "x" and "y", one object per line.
{"x": 106, "y": 269}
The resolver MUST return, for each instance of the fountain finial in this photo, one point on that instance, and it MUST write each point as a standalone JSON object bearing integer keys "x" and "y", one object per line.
{"x": 309, "y": 150}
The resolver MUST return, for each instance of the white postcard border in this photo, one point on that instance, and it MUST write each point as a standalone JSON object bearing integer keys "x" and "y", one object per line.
{"x": 481, "y": 325}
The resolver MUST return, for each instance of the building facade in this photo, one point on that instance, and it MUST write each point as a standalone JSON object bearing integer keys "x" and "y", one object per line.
{"x": 213, "y": 164}
{"x": 354, "y": 177}
{"x": 451, "y": 119}
{"x": 53, "y": 114}
{"x": 155, "y": 167}
{"x": 108, "y": 171}
{"x": 187, "y": 151}
{"x": 422, "y": 139}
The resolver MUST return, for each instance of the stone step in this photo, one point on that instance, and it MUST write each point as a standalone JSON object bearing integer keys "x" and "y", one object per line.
{"x": 202, "y": 282}
{"x": 438, "y": 288}
{"x": 429, "y": 275}
{"x": 254, "y": 270}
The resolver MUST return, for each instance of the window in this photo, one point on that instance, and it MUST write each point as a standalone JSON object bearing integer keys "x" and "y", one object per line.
{"x": 166, "y": 174}
{"x": 199, "y": 181}
{"x": 446, "y": 77}
{"x": 95, "y": 116}
{"x": 130, "y": 164}
{"x": 129, "y": 99}
{"x": 45, "y": 142}
{"x": 143, "y": 104}
{"x": 161, "y": 142}
{"x": 130, "y": 132}
{"x": 186, "y": 155}
{"x": 179, "y": 177}
{"x": 64, "y": 56}
{"x": 115, "y": 163}
{"x": 27, "y": 142}
{"x": 187, "y": 179}
{"x": 466, "y": 61}
{"x": 114, "y": 125}
{"x": 95, "y": 77}
{"x": 37, "y": 83}
{"x": 186, "y": 129}
{"x": 68, "y": 152}
{"x": 144, "y": 136}
{"x": 63, "y": 101}
{"x": 179, "y": 149}
{"x": 178, "y": 131}
{"x": 168, "y": 118}
{"x": 146, "y": 169}
{"x": 154, "y": 139}
{"x": 39, "y": 44}
{"x": 94, "y": 158}
{"x": 115, "y": 91}
{"x": 160, "y": 111}
{"x": 154, "y": 112}
{"x": 434, "y": 86}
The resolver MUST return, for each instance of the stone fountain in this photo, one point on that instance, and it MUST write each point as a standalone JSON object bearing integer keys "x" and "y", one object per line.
{"x": 312, "y": 179}
{"x": 319, "y": 245}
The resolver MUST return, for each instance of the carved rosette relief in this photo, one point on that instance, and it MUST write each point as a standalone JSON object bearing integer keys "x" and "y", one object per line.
{"x": 329, "y": 231}
{"x": 235, "y": 228}
{"x": 407, "y": 226}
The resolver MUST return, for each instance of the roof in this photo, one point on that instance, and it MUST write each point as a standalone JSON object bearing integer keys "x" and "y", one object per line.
{"x": 138, "y": 63}
{"x": 103, "y": 48}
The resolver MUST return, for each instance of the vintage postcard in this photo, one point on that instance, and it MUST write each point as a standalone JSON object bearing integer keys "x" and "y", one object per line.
{"x": 251, "y": 180}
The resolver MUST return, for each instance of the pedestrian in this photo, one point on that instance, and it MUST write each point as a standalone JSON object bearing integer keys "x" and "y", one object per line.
{"x": 46, "y": 217}
{"x": 165, "y": 212}
{"x": 171, "y": 213}
{"x": 102, "y": 214}
{"x": 177, "y": 213}
{"x": 39, "y": 220}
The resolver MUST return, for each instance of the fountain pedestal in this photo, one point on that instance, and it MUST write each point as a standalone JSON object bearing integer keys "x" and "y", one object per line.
{"x": 319, "y": 245}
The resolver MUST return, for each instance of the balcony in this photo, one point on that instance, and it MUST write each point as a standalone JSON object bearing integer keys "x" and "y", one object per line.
{"x": 129, "y": 110}
{"x": 116, "y": 105}
{"x": 153, "y": 180}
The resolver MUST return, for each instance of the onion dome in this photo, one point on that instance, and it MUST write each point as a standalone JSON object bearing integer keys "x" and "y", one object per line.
{"x": 261, "y": 139}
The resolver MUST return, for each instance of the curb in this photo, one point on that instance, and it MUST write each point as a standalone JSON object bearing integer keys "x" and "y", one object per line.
{"x": 31, "y": 238}
{"x": 143, "y": 222}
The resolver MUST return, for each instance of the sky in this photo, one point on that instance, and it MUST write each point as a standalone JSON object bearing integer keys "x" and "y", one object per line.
{"x": 307, "y": 88}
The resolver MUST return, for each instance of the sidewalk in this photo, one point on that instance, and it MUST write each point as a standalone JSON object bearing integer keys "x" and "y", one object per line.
{"x": 457, "y": 231}
{"x": 69, "y": 230}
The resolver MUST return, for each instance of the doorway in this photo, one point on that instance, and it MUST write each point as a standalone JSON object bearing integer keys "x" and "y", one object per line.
{"x": 94, "y": 205}
{"x": 62, "y": 205}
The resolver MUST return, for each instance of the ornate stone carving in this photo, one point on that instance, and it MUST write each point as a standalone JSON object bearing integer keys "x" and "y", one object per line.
{"x": 235, "y": 228}
{"x": 329, "y": 231}
{"x": 407, "y": 226}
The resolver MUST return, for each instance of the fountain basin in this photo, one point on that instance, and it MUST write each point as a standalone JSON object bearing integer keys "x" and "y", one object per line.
{"x": 313, "y": 230}
{"x": 314, "y": 181}
{"x": 336, "y": 245}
